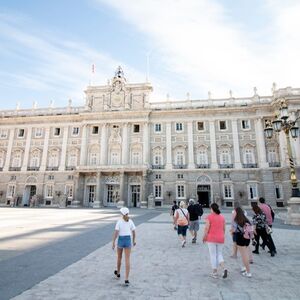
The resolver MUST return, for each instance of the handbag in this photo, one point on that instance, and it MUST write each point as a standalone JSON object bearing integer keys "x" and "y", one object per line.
{"x": 268, "y": 229}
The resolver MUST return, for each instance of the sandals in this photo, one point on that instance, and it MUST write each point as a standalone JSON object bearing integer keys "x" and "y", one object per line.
{"x": 116, "y": 273}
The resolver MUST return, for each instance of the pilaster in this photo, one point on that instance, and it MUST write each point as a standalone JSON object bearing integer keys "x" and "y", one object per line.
{"x": 260, "y": 142}
{"x": 45, "y": 150}
{"x": 125, "y": 145}
{"x": 191, "y": 164}
{"x": 213, "y": 146}
{"x": 146, "y": 145}
{"x": 83, "y": 152}
{"x": 168, "y": 146}
{"x": 236, "y": 145}
{"x": 62, "y": 165}
{"x": 27, "y": 148}
{"x": 103, "y": 158}
{"x": 9, "y": 149}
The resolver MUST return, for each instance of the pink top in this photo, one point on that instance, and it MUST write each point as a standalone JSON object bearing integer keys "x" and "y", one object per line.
{"x": 216, "y": 229}
{"x": 267, "y": 211}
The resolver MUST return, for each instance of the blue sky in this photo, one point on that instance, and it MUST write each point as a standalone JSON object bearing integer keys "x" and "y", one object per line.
{"x": 47, "y": 47}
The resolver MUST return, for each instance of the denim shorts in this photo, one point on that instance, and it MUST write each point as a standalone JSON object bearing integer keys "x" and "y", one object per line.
{"x": 124, "y": 241}
{"x": 182, "y": 230}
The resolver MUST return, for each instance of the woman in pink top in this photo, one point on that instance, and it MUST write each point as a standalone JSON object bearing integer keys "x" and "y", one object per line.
{"x": 214, "y": 236}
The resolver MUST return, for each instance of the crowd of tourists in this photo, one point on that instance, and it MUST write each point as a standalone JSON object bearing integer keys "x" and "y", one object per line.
{"x": 246, "y": 233}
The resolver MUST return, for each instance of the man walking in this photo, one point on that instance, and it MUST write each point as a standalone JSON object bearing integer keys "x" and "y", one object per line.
{"x": 195, "y": 212}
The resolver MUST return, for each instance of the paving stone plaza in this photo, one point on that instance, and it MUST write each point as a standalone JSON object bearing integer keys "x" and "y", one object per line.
{"x": 66, "y": 254}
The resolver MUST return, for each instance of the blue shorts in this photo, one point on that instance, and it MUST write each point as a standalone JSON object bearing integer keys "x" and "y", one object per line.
{"x": 124, "y": 241}
{"x": 182, "y": 229}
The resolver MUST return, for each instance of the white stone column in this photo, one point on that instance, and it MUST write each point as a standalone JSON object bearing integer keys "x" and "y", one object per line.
{"x": 125, "y": 145}
{"x": 146, "y": 145}
{"x": 213, "y": 146}
{"x": 45, "y": 150}
{"x": 103, "y": 158}
{"x": 283, "y": 149}
{"x": 168, "y": 146}
{"x": 260, "y": 142}
{"x": 236, "y": 145}
{"x": 296, "y": 149}
{"x": 83, "y": 151}
{"x": 191, "y": 164}
{"x": 27, "y": 149}
{"x": 144, "y": 198}
{"x": 97, "y": 202}
{"x": 62, "y": 165}
{"x": 9, "y": 149}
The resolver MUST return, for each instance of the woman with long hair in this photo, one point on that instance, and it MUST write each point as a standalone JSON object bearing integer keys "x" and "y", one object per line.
{"x": 260, "y": 230}
{"x": 214, "y": 236}
{"x": 123, "y": 231}
{"x": 242, "y": 243}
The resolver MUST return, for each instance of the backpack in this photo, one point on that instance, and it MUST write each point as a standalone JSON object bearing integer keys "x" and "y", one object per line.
{"x": 199, "y": 210}
{"x": 248, "y": 231}
{"x": 272, "y": 213}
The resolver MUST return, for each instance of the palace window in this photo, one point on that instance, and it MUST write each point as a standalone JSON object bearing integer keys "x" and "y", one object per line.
{"x": 222, "y": 125}
{"x": 69, "y": 189}
{"x": 75, "y": 131}
{"x": 16, "y": 162}
{"x": 53, "y": 159}
{"x": 180, "y": 176}
{"x": 11, "y": 191}
{"x": 93, "y": 159}
{"x": 157, "y": 176}
{"x": 3, "y": 134}
{"x": 21, "y": 133}
{"x": 245, "y": 124}
{"x": 135, "y": 158}
{"x": 180, "y": 157}
{"x": 180, "y": 193}
{"x": 278, "y": 191}
{"x": 157, "y": 127}
{"x": 200, "y": 126}
{"x": 249, "y": 156}
{"x": 225, "y": 157}
{"x": 252, "y": 191}
{"x": 179, "y": 127}
{"x": 272, "y": 155}
{"x": 202, "y": 157}
{"x": 136, "y": 128}
{"x": 228, "y": 191}
{"x": 38, "y": 132}
{"x": 95, "y": 129}
{"x": 115, "y": 158}
{"x": 72, "y": 161}
{"x": 158, "y": 191}
{"x": 57, "y": 131}
{"x": 35, "y": 159}
{"x": 49, "y": 191}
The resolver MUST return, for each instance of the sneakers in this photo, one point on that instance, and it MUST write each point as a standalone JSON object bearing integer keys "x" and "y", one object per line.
{"x": 246, "y": 274}
{"x": 183, "y": 243}
{"x": 243, "y": 270}
{"x": 194, "y": 241}
{"x": 225, "y": 273}
{"x": 255, "y": 252}
{"x": 214, "y": 275}
{"x": 126, "y": 282}
{"x": 116, "y": 273}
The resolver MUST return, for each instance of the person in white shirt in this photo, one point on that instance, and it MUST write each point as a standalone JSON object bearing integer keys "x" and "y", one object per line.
{"x": 123, "y": 231}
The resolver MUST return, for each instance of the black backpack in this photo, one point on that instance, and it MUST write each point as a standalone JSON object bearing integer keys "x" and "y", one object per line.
{"x": 199, "y": 209}
{"x": 272, "y": 213}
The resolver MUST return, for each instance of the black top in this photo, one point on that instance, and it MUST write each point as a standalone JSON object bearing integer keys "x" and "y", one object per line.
{"x": 260, "y": 221}
{"x": 195, "y": 211}
{"x": 174, "y": 207}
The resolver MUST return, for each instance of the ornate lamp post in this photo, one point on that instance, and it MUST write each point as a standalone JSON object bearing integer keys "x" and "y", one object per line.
{"x": 284, "y": 123}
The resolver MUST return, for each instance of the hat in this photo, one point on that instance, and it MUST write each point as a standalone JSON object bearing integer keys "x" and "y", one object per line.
{"x": 191, "y": 201}
{"x": 124, "y": 211}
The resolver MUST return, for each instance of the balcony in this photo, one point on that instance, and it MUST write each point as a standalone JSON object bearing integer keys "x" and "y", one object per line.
{"x": 179, "y": 166}
{"x": 274, "y": 164}
{"x": 33, "y": 168}
{"x": 52, "y": 169}
{"x": 226, "y": 166}
{"x": 249, "y": 166}
{"x": 15, "y": 169}
{"x": 158, "y": 167}
{"x": 203, "y": 166}
{"x": 70, "y": 168}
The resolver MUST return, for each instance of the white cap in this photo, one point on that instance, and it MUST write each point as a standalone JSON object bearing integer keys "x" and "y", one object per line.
{"x": 124, "y": 211}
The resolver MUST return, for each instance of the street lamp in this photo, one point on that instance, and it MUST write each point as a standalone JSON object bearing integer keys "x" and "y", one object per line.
{"x": 286, "y": 124}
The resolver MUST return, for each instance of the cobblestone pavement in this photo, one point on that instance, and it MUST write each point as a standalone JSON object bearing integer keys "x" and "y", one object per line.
{"x": 161, "y": 269}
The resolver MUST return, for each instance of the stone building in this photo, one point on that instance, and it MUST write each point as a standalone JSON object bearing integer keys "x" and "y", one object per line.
{"x": 121, "y": 149}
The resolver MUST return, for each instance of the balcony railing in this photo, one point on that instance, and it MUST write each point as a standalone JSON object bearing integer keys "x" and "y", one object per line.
{"x": 226, "y": 166}
{"x": 249, "y": 165}
{"x": 158, "y": 166}
{"x": 179, "y": 166}
{"x": 203, "y": 166}
{"x": 14, "y": 169}
{"x": 274, "y": 164}
{"x": 70, "y": 168}
{"x": 52, "y": 169}
{"x": 33, "y": 168}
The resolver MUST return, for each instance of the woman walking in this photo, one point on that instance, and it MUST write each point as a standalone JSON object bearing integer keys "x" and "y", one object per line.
{"x": 260, "y": 230}
{"x": 182, "y": 219}
{"x": 123, "y": 231}
{"x": 242, "y": 224}
{"x": 214, "y": 236}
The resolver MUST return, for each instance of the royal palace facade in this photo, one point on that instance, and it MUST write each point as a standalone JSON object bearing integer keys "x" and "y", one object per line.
{"x": 120, "y": 149}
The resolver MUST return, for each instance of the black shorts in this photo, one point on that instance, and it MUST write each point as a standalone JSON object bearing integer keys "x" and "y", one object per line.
{"x": 182, "y": 230}
{"x": 241, "y": 241}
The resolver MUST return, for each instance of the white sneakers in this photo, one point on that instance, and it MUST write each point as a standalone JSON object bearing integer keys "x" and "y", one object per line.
{"x": 183, "y": 243}
{"x": 245, "y": 273}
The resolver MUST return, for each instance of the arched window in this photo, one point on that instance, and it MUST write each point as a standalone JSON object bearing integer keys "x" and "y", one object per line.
{"x": 272, "y": 155}
{"x": 202, "y": 157}
{"x": 179, "y": 157}
{"x": 225, "y": 156}
{"x": 135, "y": 158}
{"x": 249, "y": 156}
{"x": 72, "y": 159}
{"x": 35, "y": 159}
{"x": 16, "y": 161}
{"x": 94, "y": 155}
{"x": 158, "y": 157}
{"x": 53, "y": 158}
{"x": 2, "y": 159}
{"x": 115, "y": 157}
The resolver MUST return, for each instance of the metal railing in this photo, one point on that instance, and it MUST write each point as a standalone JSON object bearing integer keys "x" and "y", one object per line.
{"x": 179, "y": 166}
{"x": 33, "y": 168}
{"x": 14, "y": 169}
{"x": 158, "y": 166}
{"x": 70, "y": 168}
{"x": 52, "y": 169}
{"x": 274, "y": 164}
{"x": 203, "y": 166}
{"x": 249, "y": 165}
{"x": 226, "y": 166}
